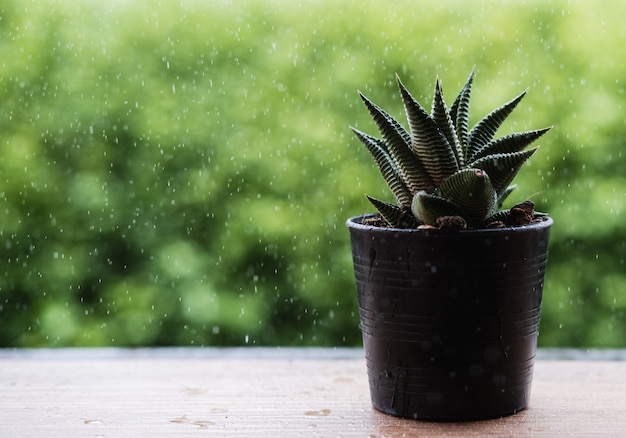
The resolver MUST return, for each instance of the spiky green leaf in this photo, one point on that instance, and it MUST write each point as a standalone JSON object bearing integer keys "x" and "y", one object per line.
{"x": 483, "y": 132}
{"x": 428, "y": 143}
{"x": 502, "y": 168}
{"x": 470, "y": 190}
{"x": 498, "y": 216}
{"x": 459, "y": 113}
{"x": 505, "y": 194}
{"x": 386, "y": 167}
{"x": 398, "y": 144}
{"x": 441, "y": 115}
{"x": 508, "y": 144}
{"x": 396, "y": 216}
{"x": 428, "y": 207}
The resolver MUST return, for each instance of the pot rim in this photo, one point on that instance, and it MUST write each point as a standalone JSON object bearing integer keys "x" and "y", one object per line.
{"x": 356, "y": 223}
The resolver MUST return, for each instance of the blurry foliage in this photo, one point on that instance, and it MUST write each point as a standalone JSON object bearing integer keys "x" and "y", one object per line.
{"x": 179, "y": 173}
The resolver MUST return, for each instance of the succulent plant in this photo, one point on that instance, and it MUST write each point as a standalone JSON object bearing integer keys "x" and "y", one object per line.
{"x": 440, "y": 171}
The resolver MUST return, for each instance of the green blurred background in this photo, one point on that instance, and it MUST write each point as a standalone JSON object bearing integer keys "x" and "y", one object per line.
{"x": 179, "y": 173}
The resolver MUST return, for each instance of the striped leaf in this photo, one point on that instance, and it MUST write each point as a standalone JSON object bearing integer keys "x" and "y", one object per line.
{"x": 386, "y": 167}
{"x": 502, "y": 168}
{"x": 508, "y": 144}
{"x": 504, "y": 215}
{"x": 427, "y": 141}
{"x": 505, "y": 194}
{"x": 396, "y": 216}
{"x": 398, "y": 144}
{"x": 498, "y": 216}
{"x": 484, "y": 130}
{"x": 441, "y": 115}
{"x": 459, "y": 113}
{"x": 472, "y": 192}
{"x": 428, "y": 207}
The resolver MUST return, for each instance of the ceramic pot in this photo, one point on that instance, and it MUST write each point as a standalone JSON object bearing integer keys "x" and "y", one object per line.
{"x": 449, "y": 318}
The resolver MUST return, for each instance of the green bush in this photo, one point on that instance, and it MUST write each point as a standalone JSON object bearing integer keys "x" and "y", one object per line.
{"x": 179, "y": 173}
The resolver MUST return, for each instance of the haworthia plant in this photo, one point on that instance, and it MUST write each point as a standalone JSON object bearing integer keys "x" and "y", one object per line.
{"x": 439, "y": 167}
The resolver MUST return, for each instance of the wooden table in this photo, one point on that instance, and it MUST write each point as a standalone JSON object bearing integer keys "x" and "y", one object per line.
{"x": 274, "y": 393}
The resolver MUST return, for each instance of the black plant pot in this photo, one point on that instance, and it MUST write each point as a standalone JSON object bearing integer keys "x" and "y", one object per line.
{"x": 449, "y": 318}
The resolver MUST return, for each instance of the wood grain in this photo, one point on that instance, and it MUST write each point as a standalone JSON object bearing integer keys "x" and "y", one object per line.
{"x": 60, "y": 396}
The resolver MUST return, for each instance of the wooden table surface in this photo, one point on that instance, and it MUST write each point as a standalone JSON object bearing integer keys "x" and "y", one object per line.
{"x": 274, "y": 393}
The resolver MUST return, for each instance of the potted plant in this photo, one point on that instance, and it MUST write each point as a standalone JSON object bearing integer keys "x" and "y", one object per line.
{"x": 449, "y": 284}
